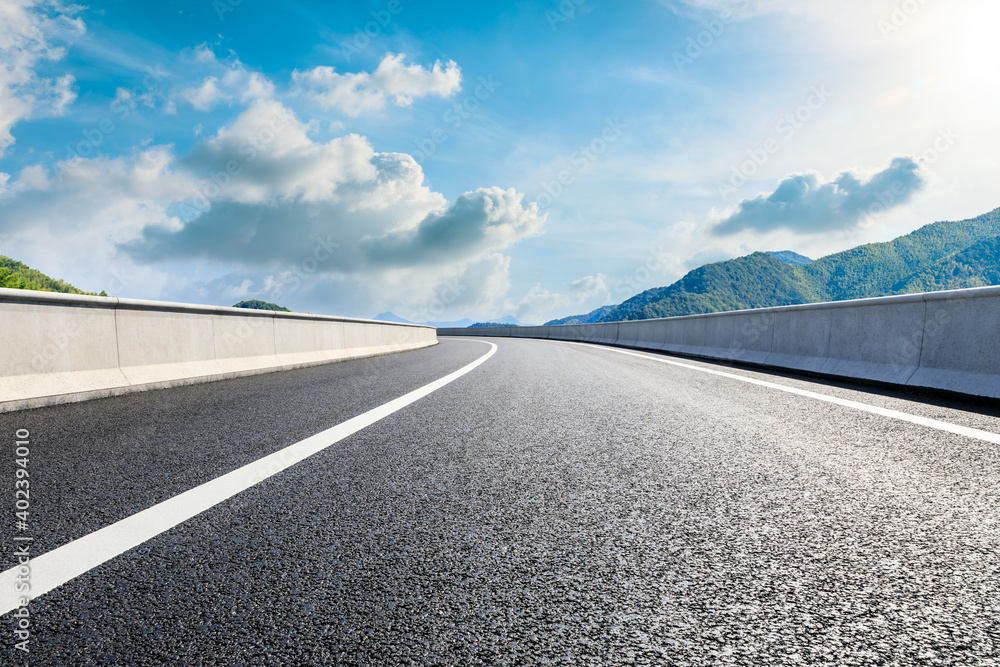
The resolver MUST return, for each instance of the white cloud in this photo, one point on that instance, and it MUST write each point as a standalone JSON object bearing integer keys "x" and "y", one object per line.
{"x": 31, "y": 33}
{"x": 404, "y": 82}
{"x": 202, "y": 53}
{"x": 470, "y": 289}
{"x": 205, "y": 96}
{"x": 277, "y": 161}
{"x": 230, "y": 80}
{"x": 361, "y": 92}
{"x": 806, "y": 204}
{"x": 480, "y": 221}
{"x": 590, "y": 286}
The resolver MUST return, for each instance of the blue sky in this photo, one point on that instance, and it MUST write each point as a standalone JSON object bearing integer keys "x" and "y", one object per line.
{"x": 453, "y": 159}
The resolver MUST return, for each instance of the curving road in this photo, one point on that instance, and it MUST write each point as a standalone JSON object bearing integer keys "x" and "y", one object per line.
{"x": 559, "y": 503}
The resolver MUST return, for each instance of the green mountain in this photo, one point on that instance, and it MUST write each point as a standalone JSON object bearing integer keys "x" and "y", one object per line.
{"x": 943, "y": 255}
{"x": 16, "y": 275}
{"x": 755, "y": 281}
{"x": 592, "y": 316}
{"x": 976, "y": 266}
{"x": 257, "y": 304}
{"x": 877, "y": 268}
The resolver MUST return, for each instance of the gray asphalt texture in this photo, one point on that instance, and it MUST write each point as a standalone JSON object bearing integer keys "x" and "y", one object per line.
{"x": 560, "y": 505}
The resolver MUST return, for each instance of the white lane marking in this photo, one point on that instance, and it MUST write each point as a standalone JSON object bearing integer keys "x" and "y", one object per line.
{"x": 56, "y": 567}
{"x": 885, "y": 412}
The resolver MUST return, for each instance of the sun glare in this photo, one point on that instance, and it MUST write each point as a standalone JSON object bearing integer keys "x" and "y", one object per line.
{"x": 976, "y": 61}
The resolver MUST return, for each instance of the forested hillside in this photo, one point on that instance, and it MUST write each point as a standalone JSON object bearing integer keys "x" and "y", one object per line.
{"x": 257, "y": 304}
{"x": 754, "y": 281}
{"x": 16, "y": 275}
{"x": 976, "y": 266}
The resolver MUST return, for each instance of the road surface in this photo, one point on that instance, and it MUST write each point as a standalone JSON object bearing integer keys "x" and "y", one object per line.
{"x": 557, "y": 504}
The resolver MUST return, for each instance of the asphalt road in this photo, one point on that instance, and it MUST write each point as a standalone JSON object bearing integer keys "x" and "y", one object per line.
{"x": 561, "y": 504}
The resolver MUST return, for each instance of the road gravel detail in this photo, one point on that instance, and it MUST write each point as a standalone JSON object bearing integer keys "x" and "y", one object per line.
{"x": 560, "y": 504}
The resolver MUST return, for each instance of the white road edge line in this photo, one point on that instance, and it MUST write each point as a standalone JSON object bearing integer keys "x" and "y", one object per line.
{"x": 55, "y": 568}
{"x": 885, "y": 412}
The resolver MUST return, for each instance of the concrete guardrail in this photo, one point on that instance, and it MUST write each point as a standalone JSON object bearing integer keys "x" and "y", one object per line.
{"x": 60, "y": 348}
{"x": 946, "y": 341}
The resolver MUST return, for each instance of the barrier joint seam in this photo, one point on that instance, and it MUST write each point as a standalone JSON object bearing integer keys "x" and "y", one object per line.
{"x": 118, "y": 345}
{"x": 920, "y": 354}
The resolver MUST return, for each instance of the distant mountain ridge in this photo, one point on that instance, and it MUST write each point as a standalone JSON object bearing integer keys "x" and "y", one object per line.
{"x": 389, "y": 316}
{"x": 942, "y": 255}
{"x": 789, "y": 257}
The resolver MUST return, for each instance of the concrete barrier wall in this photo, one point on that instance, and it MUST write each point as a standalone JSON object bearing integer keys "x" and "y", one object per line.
{"x": 939, "y": 340}
{"x": 58, "y": 348}
{"x": 960, "y": 343}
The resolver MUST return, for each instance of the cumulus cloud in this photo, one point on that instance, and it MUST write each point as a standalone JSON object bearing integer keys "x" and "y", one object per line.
{"x": 270, "y": 193}
{"x": 260, "y": 208}
{"x": 806, "y": 203}
{"x": 266, "y": 155}
{"x": 31, "y": 33}
{"x": 363, "y": 92}
{"x": 481, "y": 220}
